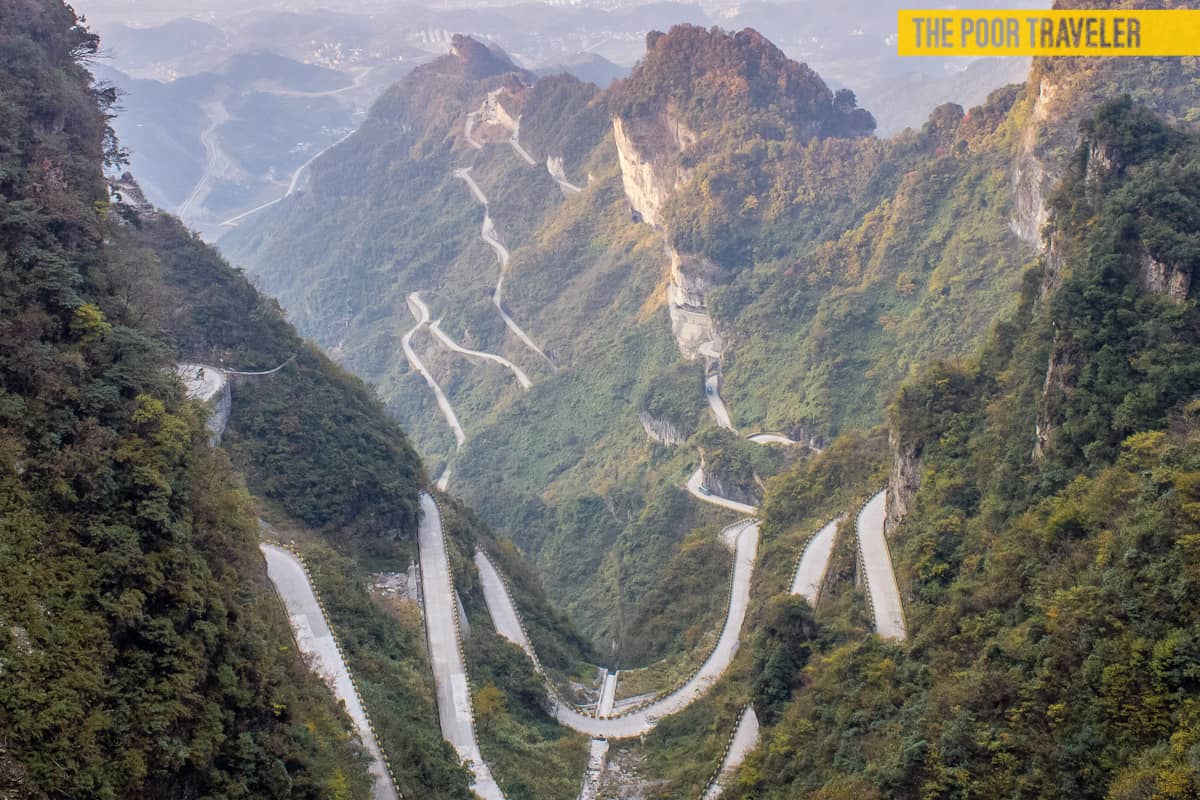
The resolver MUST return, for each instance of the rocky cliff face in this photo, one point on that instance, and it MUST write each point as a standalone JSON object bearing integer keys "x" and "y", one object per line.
{"x": 727, "y": 487}
{"x": 660, "y": 430}
{"x": 1166, "y": 279}
{"x": 1030, "y": 174}
{"x": 903, "y": 482}
{"x": 691, "y": 278}
{"x": 648, "y": 151}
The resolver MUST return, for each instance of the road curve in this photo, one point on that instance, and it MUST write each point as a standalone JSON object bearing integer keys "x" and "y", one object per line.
{"x": 422, "y": 314}
{"x": 449, "y": 671}
{"x": 881, "y": 578}
{"x": 814, "y": 562}
{"x": 554, "y": 165}
{"x": 209, "y": 385}
{"x": 771, "y": 438}
{"x": 436, "y": 328}
{"x": 697, "y": 480}
{"x": 745, "y": 737}
{"x": 488, "y": 234}
{"x": 515, "y": 141}
{"x": 469, "y": 131}
{"x": 712, "y": 391}
{"x": 647, "y": 717}
{"x": 214, "y": 158}
{"x": 315, "y": 641}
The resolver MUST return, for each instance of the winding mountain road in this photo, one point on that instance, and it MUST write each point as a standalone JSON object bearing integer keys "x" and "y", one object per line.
{"x": 881, "y": 577}
{"x": 642, "y": 720}
{"x": 515, "y": 141}
{"x": 293, "y": 185}
{"x": 209, "y": 385}
{"x": 469, "y": 130}
{"x": 449, "y": 671}
{"x": 814, "y": 563}
{"x": 771, "y": 438}
{"x": 745, "y": 737}
{"x": 315, "y": 641}
{"x": 712, "y": 391}
{"x": 697, "y": 480}
{"x": 488, "y": 234}
{"x": 422, "y": 314}
{"x": 436, "y": 328}
{"x": 215, "y": 162}
{"x": 554, "y": 165}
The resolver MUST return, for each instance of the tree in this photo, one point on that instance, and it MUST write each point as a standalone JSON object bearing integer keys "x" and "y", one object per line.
{"x": 489, "y": 705}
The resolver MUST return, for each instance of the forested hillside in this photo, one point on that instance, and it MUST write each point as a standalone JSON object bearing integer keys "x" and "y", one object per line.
{"x": 142, "y": 651}
{"x": 556, "y": 289}
{"x": 821, "y": 267}
{"x": 1047, "y": 545}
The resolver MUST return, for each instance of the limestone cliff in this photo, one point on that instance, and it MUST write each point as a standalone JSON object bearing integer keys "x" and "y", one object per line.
{"x": 904, "y": 480}
{"x": 729, "y": 487}
{"x": 648, "y": 152}
{"x": 660, "y": 430}
{"x": 1170, "y": 280}
{"x": 1031, "y": 175}
{"x": 690, "y": 279}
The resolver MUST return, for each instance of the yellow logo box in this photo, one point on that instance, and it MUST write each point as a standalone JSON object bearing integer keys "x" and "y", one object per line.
{"x": 1077, "y": 32}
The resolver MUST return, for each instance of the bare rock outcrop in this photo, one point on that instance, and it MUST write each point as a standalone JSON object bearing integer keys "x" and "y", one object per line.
{"x": 690, "y": 280}
{"x": 903, "y": 482}
{"x": 1159, "y": 277}
{"x": 660, "y": 430}
{"x": 648, "y": 152}
{"x": 1031, "y": 176}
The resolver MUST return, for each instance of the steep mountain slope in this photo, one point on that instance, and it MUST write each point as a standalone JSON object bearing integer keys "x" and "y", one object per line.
{"x": 810, "y": 268}
{"x": 1042, "y": 497}
{"x": 143, "y": 653}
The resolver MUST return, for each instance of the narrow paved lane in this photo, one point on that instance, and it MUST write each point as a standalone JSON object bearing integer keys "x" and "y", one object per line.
{"x": 209, "y": 385}
{"x": 745, "y": 737}
{"x": 422, "y": 314}
{"x": 449, "y": 671}
{"x": 515, "y": 141}
{"x": 500, "y": 604}
{"x": 316, "y": 642}
{"x": 697, "y": 480}
{"x": 881, "y": 578}
{"x": 488, "y": 234}
{"x": 712, "y": 391}
{"x": 770, "y": 438}
{"x": 814, "y": 563}
{"x": 554, "y": 165}
{"x": 436, "y": 328}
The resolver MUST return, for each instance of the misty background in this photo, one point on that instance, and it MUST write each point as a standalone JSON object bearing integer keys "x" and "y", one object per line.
{"x": 225, "y": 103}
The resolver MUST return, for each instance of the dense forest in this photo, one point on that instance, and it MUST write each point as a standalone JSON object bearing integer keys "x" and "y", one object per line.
{"x": 994, "y": 315}
{"x": 143, "y": 653}
{"x": 1053, "y": 594}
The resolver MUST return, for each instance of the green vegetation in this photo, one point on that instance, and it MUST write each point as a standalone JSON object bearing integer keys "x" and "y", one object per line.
{"x": 141, "y": 648}
{"x": 1052, "y": 600}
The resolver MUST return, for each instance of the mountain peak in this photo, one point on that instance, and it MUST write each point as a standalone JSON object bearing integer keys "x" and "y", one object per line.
{"x": 714, "y": 76}
{"x": 474, "y": 59}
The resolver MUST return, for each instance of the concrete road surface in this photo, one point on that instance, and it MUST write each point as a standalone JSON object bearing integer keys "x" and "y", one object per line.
{"x": 881, "y": 578}
{"x": 422, "y": 314}
{"x": 770, "y": 438}
{"x": 488, "y": 234}
{"x": 316, "y": 642}
{"x": 744, "y": 740}
{"x": 697, "y": 480}
{"x": 814, "y": 562}
{"x": 436, "y": 328}
{"x": 449, "y": 672}
{"x": 645, "y": 719}
{"x": 712, "y": 391}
